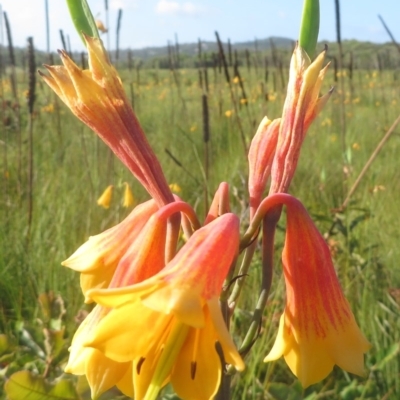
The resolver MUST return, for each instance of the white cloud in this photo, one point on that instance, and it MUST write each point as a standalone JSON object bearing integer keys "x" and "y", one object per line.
{"x": 124, "y": 4}
{"x": 176, "y": 8}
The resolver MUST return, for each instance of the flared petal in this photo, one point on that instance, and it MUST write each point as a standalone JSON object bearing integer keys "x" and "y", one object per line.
{"x": 101, "y": 372}
{"x": 105, "y": 250}
{"x": 318, "y": 329}
{"x": 198, "y": 367}
{"x": 96, "y": 96}
{"x": 128, "y": 332}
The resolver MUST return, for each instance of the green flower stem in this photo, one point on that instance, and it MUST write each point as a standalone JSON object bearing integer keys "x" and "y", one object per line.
{"x": 309, "y": 27}
{"x": 269, "y": 227}
{"x": 167, "y": 359}
{"x": 82, "y": 18}
{"x": 244, "y": 268}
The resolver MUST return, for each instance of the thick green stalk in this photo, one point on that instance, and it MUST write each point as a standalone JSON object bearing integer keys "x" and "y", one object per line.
{"x": 82, "y": 18}
{"x": 309, "y": 26}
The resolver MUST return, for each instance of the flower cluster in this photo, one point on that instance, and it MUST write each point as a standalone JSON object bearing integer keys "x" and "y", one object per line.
{"x": 157, "y": 318}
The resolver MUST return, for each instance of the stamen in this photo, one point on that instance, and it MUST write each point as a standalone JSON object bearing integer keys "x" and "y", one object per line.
{"x": 193, "y": 367}
{"x": 139, "y": 365}
{"x": 196, "y": 345}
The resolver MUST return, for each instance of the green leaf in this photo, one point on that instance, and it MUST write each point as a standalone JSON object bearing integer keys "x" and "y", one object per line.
{"x": 82, "y": 18}
{"x": 309, "y": 26}
{"x": 25, "y": 385}
{"x": 281, "y": 391}
{"x": 392, "y": 353}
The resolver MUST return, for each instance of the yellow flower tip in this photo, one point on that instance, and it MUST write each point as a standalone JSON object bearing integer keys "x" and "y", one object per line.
{"x": 105, "y": 199}
{"x": 129, "y": 200}
{"x": 175, "y": 188}
{"x": 100, "y": 26}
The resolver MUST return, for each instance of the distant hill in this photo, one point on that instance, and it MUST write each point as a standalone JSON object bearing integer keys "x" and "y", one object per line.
{"x": 271, "y": 50}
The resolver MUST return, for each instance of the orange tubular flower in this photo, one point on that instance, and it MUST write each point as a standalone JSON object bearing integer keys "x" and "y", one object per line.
{"x": 167, "y": 325}
{"x": 97, "y": 98}
{"x": 317, "y": 329}
{"x": 143, "y": 259}
{"x": 302, "y": 105}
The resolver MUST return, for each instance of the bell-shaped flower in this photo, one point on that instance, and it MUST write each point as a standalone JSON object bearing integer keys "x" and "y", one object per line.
{"x": 168, "y": 325}
{"x": 96, "y": 96}
{"x": 97, "y": 259}
{"x": 301, "y": 106}
{"x": 143, "y": 259}
{"x": 105, "y": 199}
{"x": 318, "y": 329}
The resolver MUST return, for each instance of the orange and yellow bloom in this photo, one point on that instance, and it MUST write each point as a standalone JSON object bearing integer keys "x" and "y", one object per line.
{"x": 301, "y": 106}
{"x": 317, "y": 329}
{"x": 177, "y": 309}
{"x": 157, "y": 318}
{"x": 97, "y": 98}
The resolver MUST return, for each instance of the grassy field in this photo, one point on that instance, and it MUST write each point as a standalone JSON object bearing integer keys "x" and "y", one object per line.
{"x": 71, "y": 168}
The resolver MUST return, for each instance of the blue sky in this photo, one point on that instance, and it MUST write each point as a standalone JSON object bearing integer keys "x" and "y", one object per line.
{"x": 154, "y": 22}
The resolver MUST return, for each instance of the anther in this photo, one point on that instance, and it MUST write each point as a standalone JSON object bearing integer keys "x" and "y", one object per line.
{"x": 193, "y": 367}
{"x": 139, "y": 365}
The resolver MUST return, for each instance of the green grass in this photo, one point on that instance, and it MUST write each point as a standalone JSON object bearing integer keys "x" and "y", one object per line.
{"x": 72, "y": 168}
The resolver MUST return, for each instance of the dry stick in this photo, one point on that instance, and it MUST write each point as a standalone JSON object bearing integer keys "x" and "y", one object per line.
{"x": 13, "y": 81}
{"x": 130, "y": 68}
{"x": 244, "y": 96}
{"x": 369, "y": 162}
{"x": 69, "y": 51}
{"x": 64, "y": 45}
{"x": 247, "y": 55}
{"x": 206, "y": 139}
{"x": 340, "y": 64}
{"x": 3, "y": 107}
{"x": 175, "y": 76}
{"x": 177, "y": 54}
{"x": 389, "y": 33}
{"x": 117, "y": 35}
{"x": 31, "y": 102}
{"x": 108, "y": 27}
{"x": 234, "y": 102}
{"x": 179, "y": 164}
{"x": 230, "y": 52}
{"x": 46, "y": 8}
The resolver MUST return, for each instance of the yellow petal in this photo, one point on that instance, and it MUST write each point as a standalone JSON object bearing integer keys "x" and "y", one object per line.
{"x": 125, "y": 384}
{"x": 230, "y": 353}
{"x": 282, "y": 342}
{"x": 129, "y": 200}
{"x": 105, "y": 199}
{"x": 185, "y": 303}
{"x": 197, "y": 371}
{"x": 103, "y": 373}
{"x": 128, "y": 332}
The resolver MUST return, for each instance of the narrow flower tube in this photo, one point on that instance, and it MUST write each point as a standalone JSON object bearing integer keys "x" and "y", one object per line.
{"x": 318, "y": 329}
{"x": 97, "y": 98}
{"x": 301, "y": 106}
{"x": 261, "y": 155}
{"x": 182, "y": 301}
